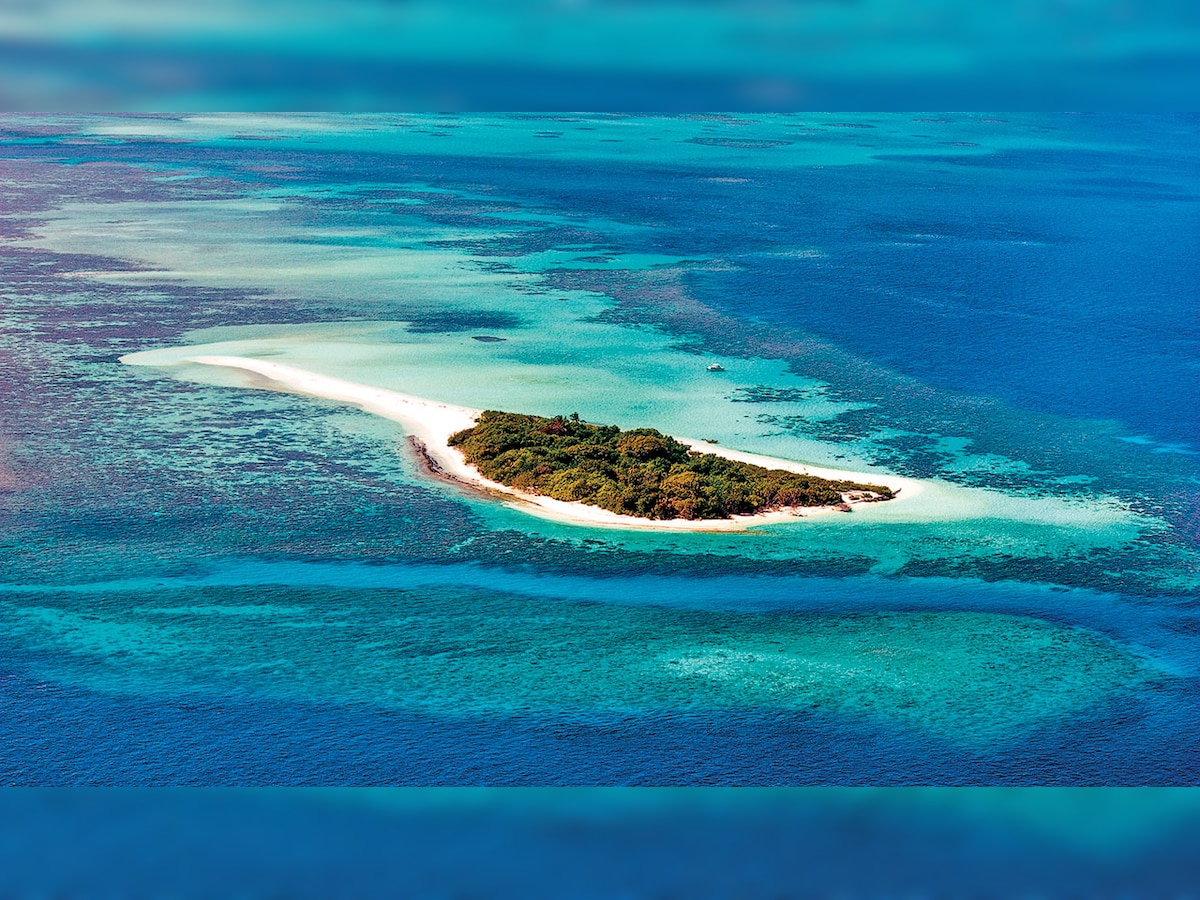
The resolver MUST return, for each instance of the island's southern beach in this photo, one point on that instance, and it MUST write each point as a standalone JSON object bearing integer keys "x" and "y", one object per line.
{"x": 430, "y": 425}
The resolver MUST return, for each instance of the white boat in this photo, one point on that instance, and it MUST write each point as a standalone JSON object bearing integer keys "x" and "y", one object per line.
{"x": 716, "y": 367}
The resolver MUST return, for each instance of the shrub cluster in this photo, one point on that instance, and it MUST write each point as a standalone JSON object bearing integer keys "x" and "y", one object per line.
{"x": 641, "y": 472}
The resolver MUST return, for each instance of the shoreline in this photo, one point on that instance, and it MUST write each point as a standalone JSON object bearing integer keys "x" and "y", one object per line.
{"x": 430, "y": 424}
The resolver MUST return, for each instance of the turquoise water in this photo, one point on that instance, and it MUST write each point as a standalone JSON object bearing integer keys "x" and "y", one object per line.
{"x": 226, "y": 576}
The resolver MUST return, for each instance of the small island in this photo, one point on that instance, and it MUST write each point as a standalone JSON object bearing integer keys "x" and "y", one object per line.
{"x": 641, "y": 472}
{"x": 577, "y": 473}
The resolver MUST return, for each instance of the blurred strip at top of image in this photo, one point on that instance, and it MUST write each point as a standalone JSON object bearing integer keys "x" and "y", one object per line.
{"x": 665, "y": 55}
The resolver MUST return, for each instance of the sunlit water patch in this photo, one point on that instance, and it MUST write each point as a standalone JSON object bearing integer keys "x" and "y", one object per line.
{"x": 969, "y": 678}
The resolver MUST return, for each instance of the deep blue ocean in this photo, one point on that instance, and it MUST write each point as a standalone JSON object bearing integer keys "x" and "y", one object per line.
{"x": 205, "y": 584}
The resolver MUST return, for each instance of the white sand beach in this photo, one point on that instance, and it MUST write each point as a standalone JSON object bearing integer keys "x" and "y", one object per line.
{"x": 430, "y": 425}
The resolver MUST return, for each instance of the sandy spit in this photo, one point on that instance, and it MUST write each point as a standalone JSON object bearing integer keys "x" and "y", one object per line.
{"x": 430, "y": 425}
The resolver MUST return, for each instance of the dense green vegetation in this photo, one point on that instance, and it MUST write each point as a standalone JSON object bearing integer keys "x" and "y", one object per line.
{"x": 641, "y": 472}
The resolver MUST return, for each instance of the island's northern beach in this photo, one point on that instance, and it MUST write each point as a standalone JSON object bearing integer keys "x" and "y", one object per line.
{"x": 430, "y": 424}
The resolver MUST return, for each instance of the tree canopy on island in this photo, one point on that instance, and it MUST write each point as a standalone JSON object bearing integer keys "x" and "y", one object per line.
{"x": 641, "y": 472}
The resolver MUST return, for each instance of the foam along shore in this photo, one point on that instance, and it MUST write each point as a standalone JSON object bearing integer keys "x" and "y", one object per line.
{"x": 430, "y": 425}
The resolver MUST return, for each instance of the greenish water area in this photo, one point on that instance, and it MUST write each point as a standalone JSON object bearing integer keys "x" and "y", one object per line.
{"x": 204, "y": 580}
